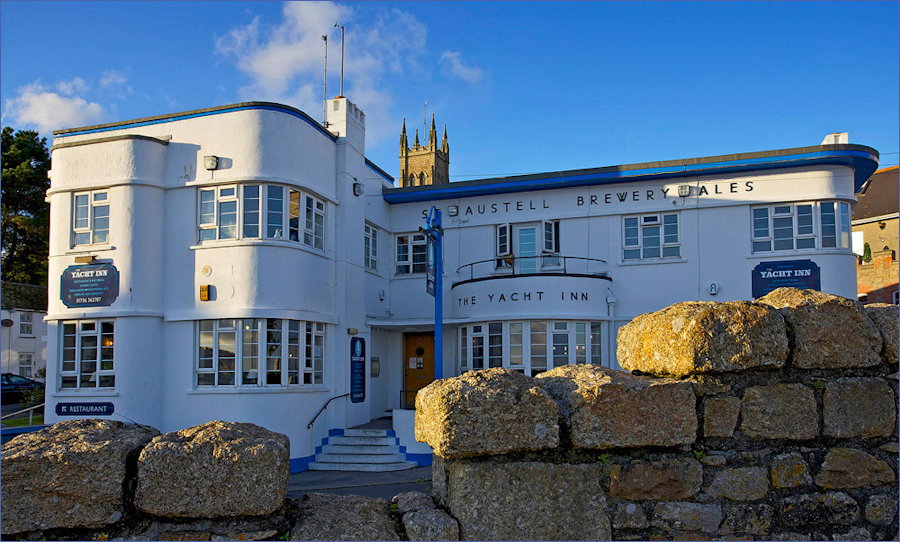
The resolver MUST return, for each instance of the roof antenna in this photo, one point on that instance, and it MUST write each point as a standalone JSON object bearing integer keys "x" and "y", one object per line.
{"x": 336, "y": 25}
{"x": 325, "y": 86}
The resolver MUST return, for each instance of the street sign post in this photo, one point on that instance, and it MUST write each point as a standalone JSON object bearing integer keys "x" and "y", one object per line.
{"x": 433, "y": 284}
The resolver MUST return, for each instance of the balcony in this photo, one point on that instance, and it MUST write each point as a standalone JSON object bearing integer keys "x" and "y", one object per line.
{"x": 532, "y": 287}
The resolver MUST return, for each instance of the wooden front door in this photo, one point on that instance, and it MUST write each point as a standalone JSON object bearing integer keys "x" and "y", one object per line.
{"x": 418, "y": 365}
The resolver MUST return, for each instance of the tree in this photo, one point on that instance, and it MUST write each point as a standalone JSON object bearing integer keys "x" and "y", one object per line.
{"x": 26, "y": 214}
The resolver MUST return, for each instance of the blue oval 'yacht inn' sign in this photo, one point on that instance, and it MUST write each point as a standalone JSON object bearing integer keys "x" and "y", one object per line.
{"x": 89, "y": 285}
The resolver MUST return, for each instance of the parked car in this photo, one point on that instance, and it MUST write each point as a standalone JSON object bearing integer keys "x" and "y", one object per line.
{"x": 14, "y": 386}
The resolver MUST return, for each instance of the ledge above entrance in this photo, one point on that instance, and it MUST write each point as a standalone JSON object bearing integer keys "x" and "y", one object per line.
{"x": 565, "y": 296}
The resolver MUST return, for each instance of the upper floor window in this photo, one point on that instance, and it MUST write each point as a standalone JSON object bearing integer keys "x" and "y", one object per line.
{"x": 411, "y": 253}
{"x": 26, "y": 324}
{"x": 261, "y": 211}
{"x": 651, "y": 237}
{"x": 90, "y": 223}
{"x": 371, "y": 247}
{"x": 259, "y": 352}
{"x": 795, "y": 226}
{"x": 527, "y": 248}
{"x": 87, "y": 354}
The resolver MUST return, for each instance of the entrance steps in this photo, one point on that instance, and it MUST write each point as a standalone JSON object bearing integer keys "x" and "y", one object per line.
{"x": 362, "y": 450}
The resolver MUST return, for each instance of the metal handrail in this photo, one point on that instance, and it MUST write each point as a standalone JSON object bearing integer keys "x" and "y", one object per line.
{"x": 512, "y": 268}
{"x": 309, "y": 425}
{"x": 29, "y": 410}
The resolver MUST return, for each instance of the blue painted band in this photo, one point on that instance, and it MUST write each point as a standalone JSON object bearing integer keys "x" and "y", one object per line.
{"x": 300, "y": 464}
{"x": 423, "y": 460}
{"x": 122, "y": 126}
{"x": 335, "y": 432}
{"x": 863, "y": 164}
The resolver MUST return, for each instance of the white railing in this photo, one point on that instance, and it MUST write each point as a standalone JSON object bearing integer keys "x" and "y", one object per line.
{"x": 29, "y": 410}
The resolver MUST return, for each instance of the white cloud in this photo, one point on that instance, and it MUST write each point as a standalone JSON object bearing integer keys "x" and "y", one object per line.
{"x": 37, "y": 106}
{"x": 450, "y": 61}
{"x": 284, "y": 61}
{"x": 112, "y": 77}
{"x": 75, "y": 86}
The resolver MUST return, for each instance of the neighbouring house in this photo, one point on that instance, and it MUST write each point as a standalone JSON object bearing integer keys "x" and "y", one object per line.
{"x": 24, "y": 332}
{"x": 876, "y": 223}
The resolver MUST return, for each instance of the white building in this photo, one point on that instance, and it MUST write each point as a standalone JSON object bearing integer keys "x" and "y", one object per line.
{"x": 24, "y": 331}
{"x": 217, "y": 264}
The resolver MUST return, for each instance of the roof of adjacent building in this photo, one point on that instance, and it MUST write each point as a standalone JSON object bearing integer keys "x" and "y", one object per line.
{"x": 878, "y": 195}
{"x": 862, "y": 159}
{"x": 23, "y": 296}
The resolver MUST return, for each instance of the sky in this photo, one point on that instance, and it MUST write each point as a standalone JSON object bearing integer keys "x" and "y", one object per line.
{"x": 522, "y": 87}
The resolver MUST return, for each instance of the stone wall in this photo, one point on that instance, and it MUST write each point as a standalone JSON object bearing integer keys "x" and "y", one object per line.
{"x": 772, "y": 420}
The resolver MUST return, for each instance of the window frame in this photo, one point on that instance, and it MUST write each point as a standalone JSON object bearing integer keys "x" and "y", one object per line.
{"x": 23, "y": 322}
{"x": 277, "y": 347}
{"x": 28, "y": 366}
{"x": 416, "y": 244}
{"x": 475, "y": 337}
{"x": 820, "y": 220}
{"x": 370, "y": 246}
{"x": 91, "y": 229}
{"x": 645, "y": 222}
{"x": 100, "y": 375}
{"x": 276, "y": 212}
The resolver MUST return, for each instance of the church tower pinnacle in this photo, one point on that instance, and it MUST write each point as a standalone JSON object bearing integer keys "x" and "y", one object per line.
{"x": 424, "y": 165}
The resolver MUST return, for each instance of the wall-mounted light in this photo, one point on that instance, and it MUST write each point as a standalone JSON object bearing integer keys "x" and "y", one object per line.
{"x": 352, "y": 331}
{"x": 453, "y": 210}
{"x": 358, "y": 189}
{"x": 713, "y": 288}
{"x": 684, "y": 190}
{"x": 210, "y": 162}
{"x": 204, "y": 292}
{"x": 381, "y": 294}
{"x": 90, "y": 258}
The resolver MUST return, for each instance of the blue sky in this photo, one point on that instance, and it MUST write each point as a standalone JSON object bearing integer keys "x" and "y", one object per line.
{"x": 522, "y": 86}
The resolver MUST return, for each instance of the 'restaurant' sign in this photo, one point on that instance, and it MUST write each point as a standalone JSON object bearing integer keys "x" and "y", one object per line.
{"x": 84, "y": 409}
{"x": 357, "y": 370}
{"x": 768, "y": 276}
{"x": 89, "y": 285}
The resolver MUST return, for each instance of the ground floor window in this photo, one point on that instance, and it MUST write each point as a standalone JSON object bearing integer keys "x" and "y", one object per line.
{"x": 530, "y": 347}
{"x": 26, "y": 362}
{"x": 88, "y": 354}
{"x": 254, "y": 352}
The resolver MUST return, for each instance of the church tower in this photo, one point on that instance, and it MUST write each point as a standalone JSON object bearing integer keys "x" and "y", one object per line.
{"x": 423, "y": 165}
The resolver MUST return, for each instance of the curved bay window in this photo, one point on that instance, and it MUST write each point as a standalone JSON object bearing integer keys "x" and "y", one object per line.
{"x": 529, "y": 347}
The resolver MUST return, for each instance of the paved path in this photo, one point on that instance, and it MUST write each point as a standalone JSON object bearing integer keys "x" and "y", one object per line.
{"x": 369, "y": 484}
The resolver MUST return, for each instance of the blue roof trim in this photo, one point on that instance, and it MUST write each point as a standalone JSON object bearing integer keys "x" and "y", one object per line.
{"x": 197, "y": 114}
{"x": 863, "y": 163}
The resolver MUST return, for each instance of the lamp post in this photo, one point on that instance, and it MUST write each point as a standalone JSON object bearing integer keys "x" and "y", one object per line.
{"x": 434, "y": 271}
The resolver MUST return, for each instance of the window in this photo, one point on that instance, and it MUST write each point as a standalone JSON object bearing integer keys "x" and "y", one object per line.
{"x": 793, "y": 226}
{"x": 411, "y": 253}
{"x": 529, "y": 347}
{"x": 26, "y": 323}
{"x": 26, "y": 364}
{"x": 260, "y": 211}
{"x": 651, "y": 237}
{"x": 88, "y": 354}
{"x": 255, "y": 352}
{"x": 534, "y": 245}
{"x": 90, "y": 223}
{"x": 371, "y": 247}
{"x": 895, "y": 297}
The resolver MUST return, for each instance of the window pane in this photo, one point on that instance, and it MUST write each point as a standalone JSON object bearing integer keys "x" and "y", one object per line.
{"x": 207, "y": 207}
{"x": 761, "y": 246}
{"x": 783, "y": 232}
{"x": 845, "y": 225}
{"x": 804, "y": 220}
{"x": 670, "y": 229}
{"x": 228, "y": 219}
{"x": 580, "y": 342}
{"x": 650, "y": 241}
{"x": 82, "y": 212}
{"x": 274, "y": 212}
{"x": 250, "y": 352}
{"x": 631, "y": 232}
{"x": 251, "y": 211}
{"x": 560, "y": 348}
{"x": 596, "y": 343}
{"x": 463, "y": 347}
{"x": 806, "y": 242}
{"x": 477, "y": 352}
{"x": 829, "y": 231}
{"x": 294, "y": 216}
{"x": 671, "y": 252}
{"x": 515, "y": 344}
{"x": 633, "y": 254}
{"x": 273, "y": 351}
{"x": 495, "y": 344}
{"x": 419, "y": 257}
